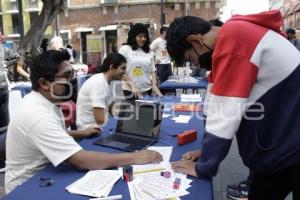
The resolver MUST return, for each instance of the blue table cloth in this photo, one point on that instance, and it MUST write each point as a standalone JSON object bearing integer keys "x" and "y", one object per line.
{"x": 64, "y": 174}
{"x": 179, "y": 82}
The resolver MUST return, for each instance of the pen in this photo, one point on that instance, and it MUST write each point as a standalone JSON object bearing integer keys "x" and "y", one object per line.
{"x": 150, "y": 170}
{"x": 115, "y": 197}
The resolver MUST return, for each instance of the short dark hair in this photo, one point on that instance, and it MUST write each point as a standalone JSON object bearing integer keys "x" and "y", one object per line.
{"x": 291, "y": 31}
{"x": 163, "y": 29}
{"x": 216, "y": 22}
{"x": 114, "y": 60}
{"x": 178, "y": 32}
{"x": 46, "y": 65}
{"x": 134, "y": 31}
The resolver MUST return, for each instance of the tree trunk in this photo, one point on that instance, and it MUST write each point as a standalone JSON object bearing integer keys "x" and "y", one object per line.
{"x": 34, "y": 36}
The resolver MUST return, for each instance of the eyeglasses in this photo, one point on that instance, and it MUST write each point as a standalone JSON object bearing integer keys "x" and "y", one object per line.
{"x": 68, "y": 75}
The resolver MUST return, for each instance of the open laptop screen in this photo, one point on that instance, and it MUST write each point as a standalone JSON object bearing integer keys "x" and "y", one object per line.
{"x": 140, "y": 119}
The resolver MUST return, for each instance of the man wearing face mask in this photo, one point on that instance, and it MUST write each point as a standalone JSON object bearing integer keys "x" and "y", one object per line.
{"x": 41, "y": 138}
{"x": 205, "y": 59}
{"x": 251, "y": 94}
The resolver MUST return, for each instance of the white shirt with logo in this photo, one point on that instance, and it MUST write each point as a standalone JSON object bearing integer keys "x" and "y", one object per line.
{"x": 140, "y": 66}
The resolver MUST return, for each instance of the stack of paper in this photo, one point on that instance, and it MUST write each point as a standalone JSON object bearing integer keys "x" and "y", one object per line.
{"x": 165, "y": 151}
{"x": 96, "y": 183}
{"x": 148, "y": 184}
{"x": 190, "y": 98}
{"x": 153, "y": 186}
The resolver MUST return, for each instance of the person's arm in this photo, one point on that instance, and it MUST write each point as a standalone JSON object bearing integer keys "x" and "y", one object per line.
{"x": 88, "y": 132}
{"x": 154, "y": 84}
{"x": 89, "y": 160}
{"x": 51, "y": 139}
{"x": 134, "y": 89}
{"x": 22, "y": 72}
{"x": 99, "y": 114}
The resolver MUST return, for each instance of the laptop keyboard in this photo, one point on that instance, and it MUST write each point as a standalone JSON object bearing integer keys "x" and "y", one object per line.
{"x": 128, "y": 140}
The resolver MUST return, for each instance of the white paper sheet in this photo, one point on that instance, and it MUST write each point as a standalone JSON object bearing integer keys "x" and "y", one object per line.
{"x": 95, "y": 183}
{"x": 165, "y": 151}
{"x": 182, "y": 119}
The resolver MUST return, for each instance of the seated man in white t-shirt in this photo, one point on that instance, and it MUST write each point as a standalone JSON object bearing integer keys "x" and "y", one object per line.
{"x": 95, "y": 97}
{"x": 40, "y": 137}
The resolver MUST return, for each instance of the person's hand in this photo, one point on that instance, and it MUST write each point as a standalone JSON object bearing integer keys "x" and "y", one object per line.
{"x": 137, "y": 93}
{"x": 147, "y": 156}
{"x": 157, "y": 61}
{"x": 157, "y": 93}
{"x": 92, "y": 131}
{"x": 192, "y": 155}
{"x": 28, "y": 77}
{"x": 185, "y": 167}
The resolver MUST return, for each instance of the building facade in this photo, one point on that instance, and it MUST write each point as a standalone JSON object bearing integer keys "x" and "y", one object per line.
{"x": 291, "y": 15}
{"x": 97, "y": 27}
{"x": 12, "y": 24}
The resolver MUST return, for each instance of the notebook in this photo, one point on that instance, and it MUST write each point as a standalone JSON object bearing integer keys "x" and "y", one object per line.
{"x": 138, "y": 126}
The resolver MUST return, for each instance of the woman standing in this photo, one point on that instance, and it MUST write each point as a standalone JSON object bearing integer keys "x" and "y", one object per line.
{"x": 140, "y": 77}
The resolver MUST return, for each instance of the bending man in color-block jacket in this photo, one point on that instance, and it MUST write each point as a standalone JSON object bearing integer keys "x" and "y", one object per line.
{"x": 253, "y": 93}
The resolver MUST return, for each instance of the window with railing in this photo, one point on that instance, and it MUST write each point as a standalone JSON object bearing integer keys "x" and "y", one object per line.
{"x": 291, "y": 23}
{"x": 15, "y": 23}
{"x": 12, "y": 5}
{"x": 33, "y": 16}
{"x": 1, "y": 25}
{"x": 108, "y": 1}
{"x": 298, "y": 22}
{"x": 33, "y": 4}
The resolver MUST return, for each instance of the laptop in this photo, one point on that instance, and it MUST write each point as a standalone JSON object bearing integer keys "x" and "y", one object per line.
{"x": 137, "y": 128}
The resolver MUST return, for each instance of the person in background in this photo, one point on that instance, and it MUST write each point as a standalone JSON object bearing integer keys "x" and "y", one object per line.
{"x": 291, "y": 35}
{"x": 251, "y": 81}
{"x": 70, "y": 51}
{"x": 22, "y": 68}
{"x": 41, "y": 138}
{"x": 162, "y": 58}
{"x": 56, "y": 43}
{"x": 4, "y": 99}
{"x": 96, "y": 96}
{"x": 140, "y": 76}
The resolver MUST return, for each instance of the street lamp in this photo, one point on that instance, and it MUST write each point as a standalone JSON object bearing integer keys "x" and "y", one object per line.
{"x": 162, "y": 14}
{"x": 185, "y": 8}
{"x": 66, "y": 13}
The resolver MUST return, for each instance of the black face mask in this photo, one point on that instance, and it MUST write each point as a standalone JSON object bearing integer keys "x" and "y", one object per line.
{"x": 68, "y": 92}
{"x": 205, "y": 60}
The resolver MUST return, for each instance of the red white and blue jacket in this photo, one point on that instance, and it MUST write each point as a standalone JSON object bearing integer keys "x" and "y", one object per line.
{"x": 254, "y": 93}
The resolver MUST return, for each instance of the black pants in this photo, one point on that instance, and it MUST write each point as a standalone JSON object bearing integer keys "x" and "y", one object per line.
{"x": 131, "y": 97}
{"x": 2, "y": 148}
{"x": 163, "y": 71}
{"x": 4, "y": 116}
{"x": 276, "y": 186}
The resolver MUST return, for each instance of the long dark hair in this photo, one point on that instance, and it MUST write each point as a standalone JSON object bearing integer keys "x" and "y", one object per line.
{"x": 114, "y": 60}
{"x": 134, "y": 31}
